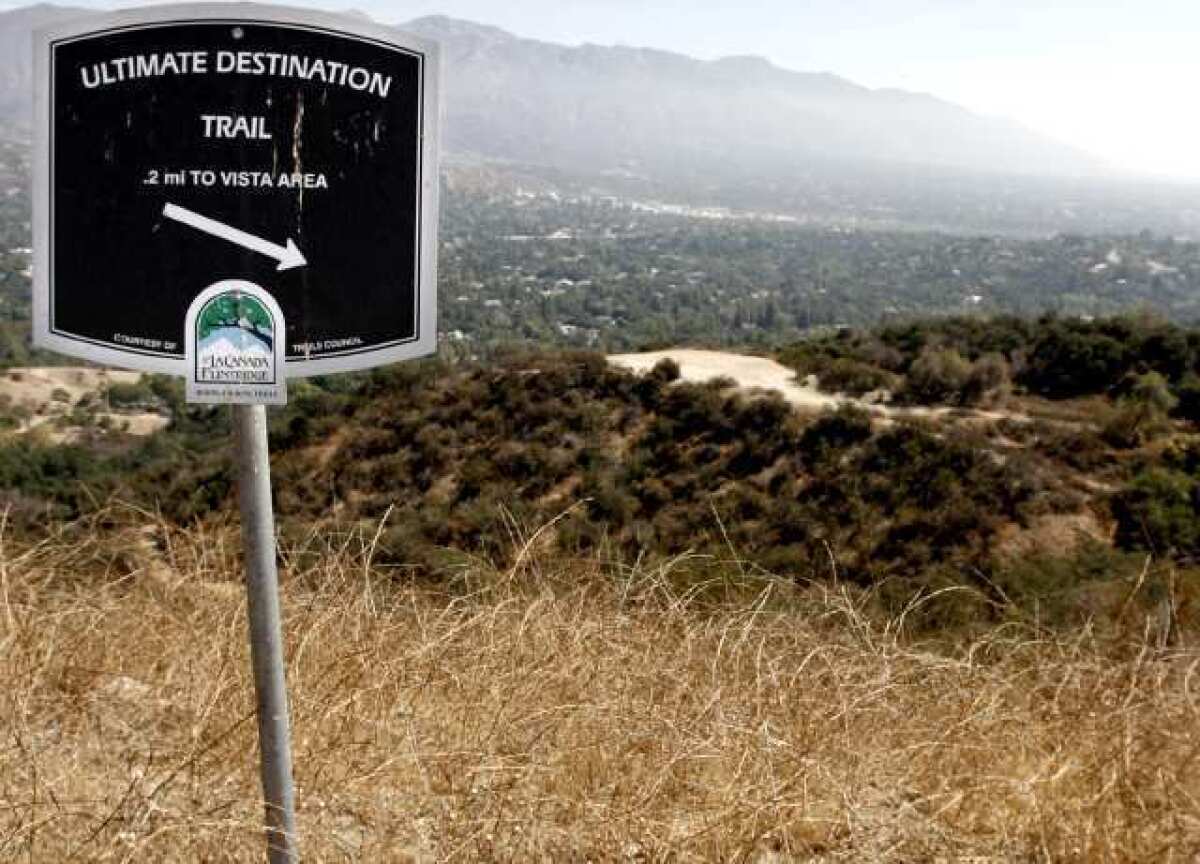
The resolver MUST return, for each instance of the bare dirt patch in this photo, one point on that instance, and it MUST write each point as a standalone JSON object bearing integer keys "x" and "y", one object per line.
{"x": 762, "y": 374}
{"x": 750, "y": 373}
{"x": 48, "y": 394}
{"x": 1054, "y": 534}
{"x": 35, "y": 387}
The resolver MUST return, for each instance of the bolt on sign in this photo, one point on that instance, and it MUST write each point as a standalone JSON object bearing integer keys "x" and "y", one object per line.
{"x": 287, "y": 155}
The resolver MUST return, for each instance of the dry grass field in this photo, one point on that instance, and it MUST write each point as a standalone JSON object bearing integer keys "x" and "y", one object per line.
{"x": 566, "y": 711}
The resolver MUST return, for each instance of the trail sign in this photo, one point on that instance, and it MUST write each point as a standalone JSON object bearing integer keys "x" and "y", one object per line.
{"x": 238, "y": 194}
{"x": 182, "y": 147}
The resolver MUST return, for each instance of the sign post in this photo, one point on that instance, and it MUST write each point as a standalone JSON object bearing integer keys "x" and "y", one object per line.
{"x": 266, "y": 630}
{"x": 238, "y": 194}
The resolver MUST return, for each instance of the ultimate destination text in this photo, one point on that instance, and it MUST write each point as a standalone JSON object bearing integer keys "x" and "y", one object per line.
{"x": 265, "y": 63}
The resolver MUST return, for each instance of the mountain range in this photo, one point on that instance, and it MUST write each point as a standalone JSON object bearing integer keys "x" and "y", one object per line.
{"x": 648, "y": 113}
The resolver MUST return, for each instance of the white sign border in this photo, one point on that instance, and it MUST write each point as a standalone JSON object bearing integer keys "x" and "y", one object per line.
{"x": 425, "y": 342}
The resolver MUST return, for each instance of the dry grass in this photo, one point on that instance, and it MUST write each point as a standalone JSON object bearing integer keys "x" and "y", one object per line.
{"x": 557, "y": 712}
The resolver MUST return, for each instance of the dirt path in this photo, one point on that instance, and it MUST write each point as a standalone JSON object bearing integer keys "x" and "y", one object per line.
{"x": 762, "y": 373}
{"x": 750, "y": 373}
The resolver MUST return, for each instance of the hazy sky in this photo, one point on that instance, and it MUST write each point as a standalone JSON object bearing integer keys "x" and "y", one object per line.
{"x": 1120, "y": 78}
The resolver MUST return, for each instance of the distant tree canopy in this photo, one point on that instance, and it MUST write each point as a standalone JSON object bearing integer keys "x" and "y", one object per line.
{"x": 598, "y": 272}
{"x": 604, "y": 273}
{"x": 955, "y": 360}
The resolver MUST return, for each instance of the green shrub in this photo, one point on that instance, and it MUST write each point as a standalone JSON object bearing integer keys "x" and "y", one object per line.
{"x": 989, "y": 382}
{"x": 834, "y": 432}
{"x": 1082, "y": 449}
{"x": 938, "y": 376}
{"x": 1051, "y": 587}
{"x": 1157, "y": 511}
{"x": 123, "y": 395}
{"x": 1075, "y": 362}
{"x": 1187, "y": 392}
{"x": 1142, "y": 413}
{"x": 855, "y": 378}
{"x": 665, "y": 370}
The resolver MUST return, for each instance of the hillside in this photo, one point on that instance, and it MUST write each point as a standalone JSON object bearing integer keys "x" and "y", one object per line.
{"x": 976, "y": 466}
{"x": 543, "y": 607}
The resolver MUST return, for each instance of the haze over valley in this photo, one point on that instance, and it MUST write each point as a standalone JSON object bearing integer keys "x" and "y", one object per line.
{"x": 741, "y": 133}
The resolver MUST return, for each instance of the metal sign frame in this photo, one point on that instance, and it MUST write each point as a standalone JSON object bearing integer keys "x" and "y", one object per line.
{"x": 426, "y": 208}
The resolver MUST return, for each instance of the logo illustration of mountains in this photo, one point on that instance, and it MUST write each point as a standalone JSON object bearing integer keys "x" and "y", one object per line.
{"x": 235, "y": 341}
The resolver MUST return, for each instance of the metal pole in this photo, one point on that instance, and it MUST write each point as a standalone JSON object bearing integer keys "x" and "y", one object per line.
{"x": 266, "y": 639}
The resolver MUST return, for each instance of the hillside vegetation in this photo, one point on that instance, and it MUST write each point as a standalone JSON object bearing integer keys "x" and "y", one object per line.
{"x": 1051, "y": 504}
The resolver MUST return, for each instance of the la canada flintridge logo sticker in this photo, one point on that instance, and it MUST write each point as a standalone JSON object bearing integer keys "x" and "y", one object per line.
{"x": 235, "y": 337}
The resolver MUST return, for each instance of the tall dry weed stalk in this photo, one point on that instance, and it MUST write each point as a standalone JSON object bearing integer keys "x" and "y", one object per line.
{"x": 562, "y": 710}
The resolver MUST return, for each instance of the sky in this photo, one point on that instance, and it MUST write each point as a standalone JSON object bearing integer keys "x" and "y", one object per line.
{"x": 1118, "y": 78}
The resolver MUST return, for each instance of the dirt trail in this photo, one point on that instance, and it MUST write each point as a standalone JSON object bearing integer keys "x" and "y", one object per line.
{"x": 762, "y": 373}
{"x": 35, "y": 386}
{"x": 750, "y": 373}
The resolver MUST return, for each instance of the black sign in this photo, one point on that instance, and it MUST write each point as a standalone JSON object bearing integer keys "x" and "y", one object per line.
{"x": 184, "y": 147}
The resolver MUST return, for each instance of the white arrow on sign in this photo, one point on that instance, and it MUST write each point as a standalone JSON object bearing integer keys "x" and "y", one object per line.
{"x": 289, "y": 256}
